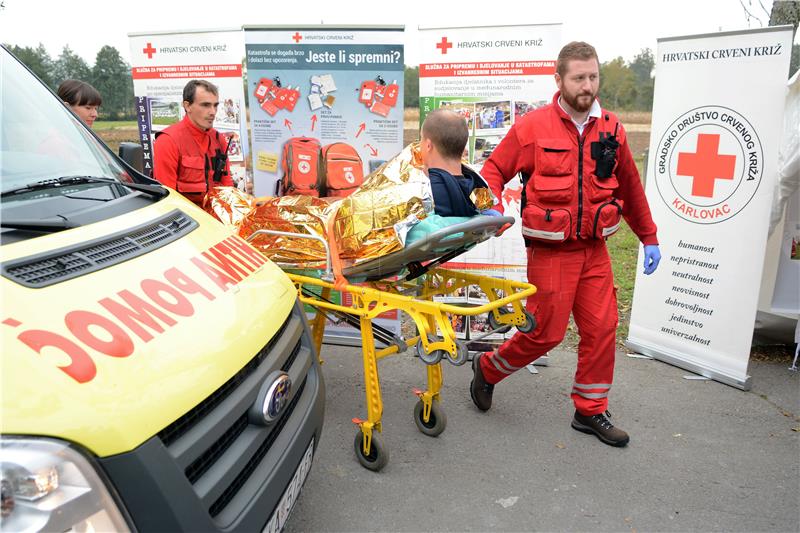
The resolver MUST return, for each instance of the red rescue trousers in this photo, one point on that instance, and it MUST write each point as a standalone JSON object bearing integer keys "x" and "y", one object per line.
{"x": 578, "y": 281}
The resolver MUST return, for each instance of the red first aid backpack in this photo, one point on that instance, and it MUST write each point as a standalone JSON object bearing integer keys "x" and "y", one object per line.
{"x": 300, "y": 165}
{"x": 342, "y": 169}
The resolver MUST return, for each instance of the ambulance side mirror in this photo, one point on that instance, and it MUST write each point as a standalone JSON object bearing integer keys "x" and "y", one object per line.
{"x": 132, "y": 154}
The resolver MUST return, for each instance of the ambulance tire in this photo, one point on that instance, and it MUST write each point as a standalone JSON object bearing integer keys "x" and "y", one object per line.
{"x": 378, "y": 454}
{"x": 495, "y": 325}
{"x": 436, "y": 422}
{"x": 529, "y": 325}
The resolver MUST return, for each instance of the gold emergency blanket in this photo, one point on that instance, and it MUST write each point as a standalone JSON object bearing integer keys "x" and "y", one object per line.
{"x": 291, "y": 214}
{"x": 371, "y": 222}
{"x": 229, "y": 205}
{"x": 374, "y": 220}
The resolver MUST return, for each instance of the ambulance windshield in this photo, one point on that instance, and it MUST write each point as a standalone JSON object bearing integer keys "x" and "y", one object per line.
{"x": 40, "y": 139}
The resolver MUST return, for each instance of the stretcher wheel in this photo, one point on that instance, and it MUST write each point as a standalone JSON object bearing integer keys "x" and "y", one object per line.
{"x": 436, "y": 422}
{"x": 530, "y": 323}
{"x": 429, "y": 358}
{"x": 495, "y": 325}
{"x": 378, "y": 454}
{"x": 461, "y": 356}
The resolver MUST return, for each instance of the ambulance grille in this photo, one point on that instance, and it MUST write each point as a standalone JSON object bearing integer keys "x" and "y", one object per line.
{"x": 175, "y": 430}
{"x": 221, "y": 502}
{"x": 220, "y": 444}
{"x": 80, "y": 259}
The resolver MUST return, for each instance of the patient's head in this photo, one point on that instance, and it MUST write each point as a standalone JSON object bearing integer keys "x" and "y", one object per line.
{"x": 443, "y": 139}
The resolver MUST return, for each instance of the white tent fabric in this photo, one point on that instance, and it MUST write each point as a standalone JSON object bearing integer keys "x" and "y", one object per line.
{"x": 788, "y": 154}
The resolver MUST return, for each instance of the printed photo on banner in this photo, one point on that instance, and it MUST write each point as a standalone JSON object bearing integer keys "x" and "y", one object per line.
{"x": 522, "y": 108}
{"x": 484, "y": 146}
{"x": 492, "y": 115}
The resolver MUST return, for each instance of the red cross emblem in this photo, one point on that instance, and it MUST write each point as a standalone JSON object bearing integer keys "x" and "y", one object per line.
{"x": 297, "y": 36}
{"x": 444, "y": 45}
{"x": 149, "y": 51}
{"x": 706, "y": 165}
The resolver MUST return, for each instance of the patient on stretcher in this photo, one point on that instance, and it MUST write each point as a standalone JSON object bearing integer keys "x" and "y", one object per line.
{"x": 422, "y": 189}
{"x": 442, "y": 143}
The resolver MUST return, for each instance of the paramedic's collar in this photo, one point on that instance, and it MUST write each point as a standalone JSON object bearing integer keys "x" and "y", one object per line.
{"x": 594, "y": 111}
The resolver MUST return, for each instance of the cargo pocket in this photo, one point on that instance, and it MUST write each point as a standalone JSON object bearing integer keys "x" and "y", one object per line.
{"x": 602, "y": 189}
{"x": 553, "y": 157}
{"x": 548, "y": 225}
{"x": 606, "y": 218}
{"x": 552, "y": 179}
{"x": 192, "y": 175}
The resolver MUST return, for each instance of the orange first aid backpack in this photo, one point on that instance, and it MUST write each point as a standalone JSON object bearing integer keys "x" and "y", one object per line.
{"x": 300, "y": 165}
{"x": 342, "y": 169}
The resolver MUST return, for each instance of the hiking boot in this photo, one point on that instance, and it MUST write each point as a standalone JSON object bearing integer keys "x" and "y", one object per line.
{"x": 601, "y": 426}
{"x": 479, "y": 390}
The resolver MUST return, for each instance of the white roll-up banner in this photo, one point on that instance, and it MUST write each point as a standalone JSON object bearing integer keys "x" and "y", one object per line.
{"x": 162, "y": 64}
{"x": 711, "y": 173}
{"x": 492, "y": 76}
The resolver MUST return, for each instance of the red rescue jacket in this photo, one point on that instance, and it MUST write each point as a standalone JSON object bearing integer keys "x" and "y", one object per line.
{"x": 183, "y": 160}
{"x": 563, "y": 198}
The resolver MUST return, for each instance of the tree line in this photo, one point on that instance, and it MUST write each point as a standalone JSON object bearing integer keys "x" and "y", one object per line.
{"x": 624, "y": 85}
{"x": 110, "y": 75}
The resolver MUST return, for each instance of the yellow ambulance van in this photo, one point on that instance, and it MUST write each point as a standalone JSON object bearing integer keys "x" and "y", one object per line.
{"x": 157, "y": 371}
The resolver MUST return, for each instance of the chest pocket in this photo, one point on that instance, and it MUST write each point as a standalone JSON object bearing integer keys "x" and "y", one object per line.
{"x": 192, "y": 175}
{"x": 553, "y": 179}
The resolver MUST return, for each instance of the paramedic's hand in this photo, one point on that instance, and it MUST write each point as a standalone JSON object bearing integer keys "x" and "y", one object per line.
{"x": 491, "y": 213}
{"x": 652, "y": 256}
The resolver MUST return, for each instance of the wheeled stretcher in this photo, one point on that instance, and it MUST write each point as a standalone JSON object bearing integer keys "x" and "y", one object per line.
{"x": 409, "y": 280}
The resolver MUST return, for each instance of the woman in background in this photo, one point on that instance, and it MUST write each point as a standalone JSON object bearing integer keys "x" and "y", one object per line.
{"x": 82, "y": 98}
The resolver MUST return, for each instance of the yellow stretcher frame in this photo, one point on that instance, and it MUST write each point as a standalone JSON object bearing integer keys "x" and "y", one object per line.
{"x": 416, "y": 299}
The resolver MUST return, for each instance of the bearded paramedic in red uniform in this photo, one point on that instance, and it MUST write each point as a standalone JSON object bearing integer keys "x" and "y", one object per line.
{"x": 579, "y": 180}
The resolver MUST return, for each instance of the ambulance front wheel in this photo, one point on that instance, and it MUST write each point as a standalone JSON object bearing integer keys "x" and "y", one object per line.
{"x": 378, "y": 454}
{"x": 530, "y": 323}
{"x": 436, "y": 423}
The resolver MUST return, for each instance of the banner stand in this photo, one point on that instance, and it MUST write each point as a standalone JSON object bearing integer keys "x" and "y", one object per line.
{"x": 710, "y": 182}
{"x": 676, "y": 359}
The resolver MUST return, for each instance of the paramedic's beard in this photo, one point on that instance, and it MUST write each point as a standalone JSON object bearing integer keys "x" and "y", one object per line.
{"x": 581, "y": 102}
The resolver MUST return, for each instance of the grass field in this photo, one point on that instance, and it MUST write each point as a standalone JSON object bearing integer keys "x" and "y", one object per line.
{"x": 108, "y": 125}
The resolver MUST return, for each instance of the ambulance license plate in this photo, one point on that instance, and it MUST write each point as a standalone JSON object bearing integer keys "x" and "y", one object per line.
{"x": 284, "y": 508}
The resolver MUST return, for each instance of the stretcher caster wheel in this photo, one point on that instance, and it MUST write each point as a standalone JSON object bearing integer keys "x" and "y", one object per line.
{"x": 495, "y": 325}
{"x": 530, "y": 323}
{"x": 378, "y": 454}
{"x": 429, "y": 358}
{"x": 436, "y": 422}
{"x": 461, "y": 356}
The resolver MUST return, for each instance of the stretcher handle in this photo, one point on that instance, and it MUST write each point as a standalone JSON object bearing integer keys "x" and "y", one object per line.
{"x": 328, "y": 275}
{"x": 481, "y": 226}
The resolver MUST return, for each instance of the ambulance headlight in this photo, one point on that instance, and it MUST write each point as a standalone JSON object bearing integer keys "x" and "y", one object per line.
{"x": 47, "y": 485}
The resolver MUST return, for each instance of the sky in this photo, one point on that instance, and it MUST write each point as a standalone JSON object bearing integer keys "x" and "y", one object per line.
{"x": 615, "y": 28}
